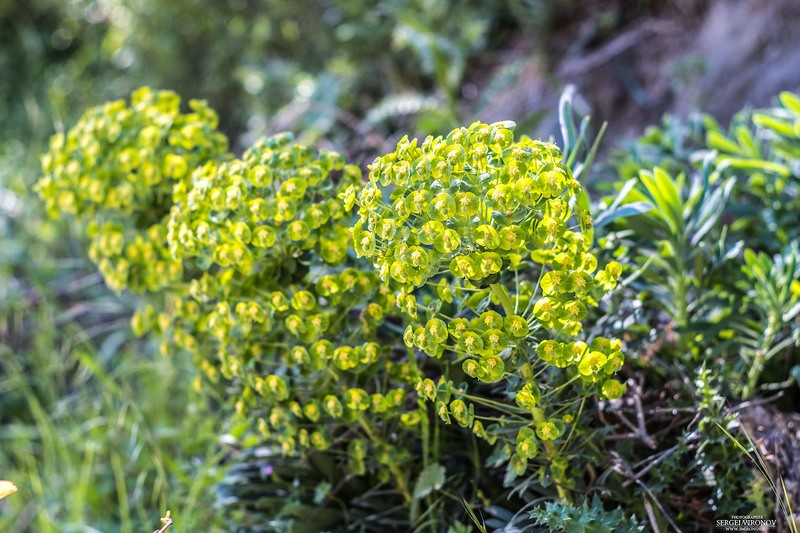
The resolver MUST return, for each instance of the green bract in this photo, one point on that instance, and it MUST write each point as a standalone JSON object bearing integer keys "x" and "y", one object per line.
{"x": 264, "y": 212}
{"x": 466, "y": 204}
{"x": 116, "y": 169}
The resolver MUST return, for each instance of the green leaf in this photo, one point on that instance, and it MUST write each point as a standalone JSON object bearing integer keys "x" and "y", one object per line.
{"x": 430, "y": 479}
{"x": 746, "y": 141}
{"x": 627, "y": 210}
{"x": 670, "y": 189}
{"x": 582, "y": 168}
{"x": 667, "y": 212}
{"x": 566, "y": 120}
{"x": 718, "y": 141}
{"x": 791, "y": 313}
{"x": 790, "y": 101}
{"x": 777, "y": 125}
{"x": 710, "y": 211}
{"x": 753, "y": 164}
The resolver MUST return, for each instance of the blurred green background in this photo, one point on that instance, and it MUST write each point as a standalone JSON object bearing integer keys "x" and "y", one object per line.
{"x": 99, "y": 431}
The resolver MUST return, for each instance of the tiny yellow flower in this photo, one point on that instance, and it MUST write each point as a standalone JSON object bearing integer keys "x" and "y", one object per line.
{"x": 7, "y": 488}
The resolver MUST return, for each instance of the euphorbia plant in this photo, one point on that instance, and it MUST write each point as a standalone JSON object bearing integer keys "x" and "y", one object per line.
{"x": 279, "y": 311}
{"x": 457, "y": 293}
{"x": 477, "y": 236}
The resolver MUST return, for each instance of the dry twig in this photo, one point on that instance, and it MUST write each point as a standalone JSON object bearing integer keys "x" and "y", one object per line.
{"x": 167, "y": 521}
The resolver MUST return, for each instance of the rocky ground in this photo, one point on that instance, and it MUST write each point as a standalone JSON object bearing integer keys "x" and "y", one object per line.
{"x": 632, "y": 62}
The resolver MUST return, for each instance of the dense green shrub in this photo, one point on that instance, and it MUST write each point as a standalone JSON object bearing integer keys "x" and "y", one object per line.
{"x": 365, "y": 381}
{"x": 735, "y": 191}
{"x": 455, "y": 311}
{"x": 710, "y": 233}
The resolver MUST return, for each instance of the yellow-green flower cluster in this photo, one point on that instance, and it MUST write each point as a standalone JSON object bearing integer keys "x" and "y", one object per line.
{"x": 116, "y": 170}
{"x": 477, "y": 233}
{"x": 480, "y": 341}
{"x": 239, "y": 314}
{"x": 265, "y": 211}
{"x": 305, "y": 358}
{"x": 468, "y": 204}
{"x": 275, "y": 309}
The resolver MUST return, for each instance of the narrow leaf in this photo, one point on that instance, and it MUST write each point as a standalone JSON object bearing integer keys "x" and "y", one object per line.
{"x": 775, "y": 124}
{"x": 746, "y": 141}
{"x": 718, "y": 141}
{"x": 627, "y": 210}
{"x": 790, "y": 101}
{"x": 565, "y": 118}
{"x": 725, "y": 163}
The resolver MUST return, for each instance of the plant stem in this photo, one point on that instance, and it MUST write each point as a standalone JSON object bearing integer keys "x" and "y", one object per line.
{"x": 563, "y": 493}
{"x": 682, "y": 283}
{"x": 394, "y": 469}
{"x": 426, "y": 436}
{"x": 757, "y": 365}
{"x": 503, "y": 297}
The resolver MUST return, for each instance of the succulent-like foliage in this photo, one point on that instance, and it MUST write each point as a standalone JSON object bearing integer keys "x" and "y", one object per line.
{"x": 560, "y": 516}
{"x": 734, "y": 190}
{"x": 717, "y": 263}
